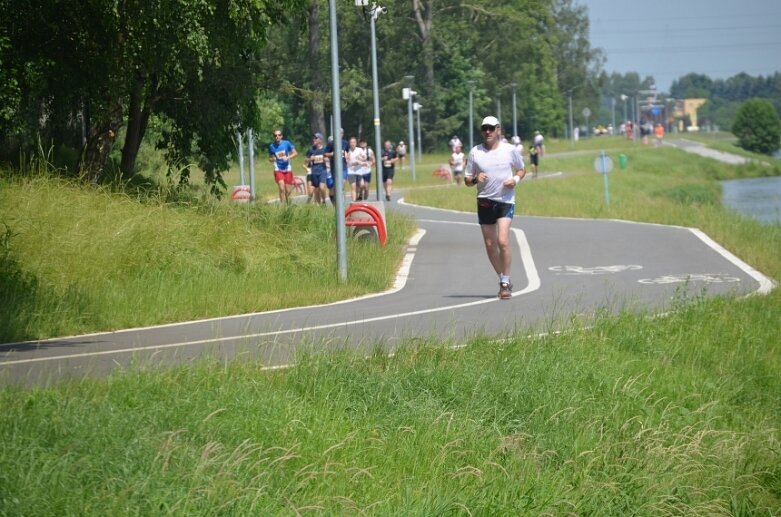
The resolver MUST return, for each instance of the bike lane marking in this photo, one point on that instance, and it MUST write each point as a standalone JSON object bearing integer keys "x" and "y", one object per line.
{"x": 526, "y": 258}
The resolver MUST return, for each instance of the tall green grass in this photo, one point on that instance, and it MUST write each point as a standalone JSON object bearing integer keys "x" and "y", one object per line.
{"x": 76, "y": 259}
{"x": 631, "y": 416}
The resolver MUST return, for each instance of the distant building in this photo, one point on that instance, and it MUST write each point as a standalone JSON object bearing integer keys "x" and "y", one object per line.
{"x": 690, "y": 107}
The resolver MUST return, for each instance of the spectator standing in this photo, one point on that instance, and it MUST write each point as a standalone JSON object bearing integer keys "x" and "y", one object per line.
{"x": 496, "y": 168}
{"x": 389, "y": 159}
{"x": 280, "y": 152}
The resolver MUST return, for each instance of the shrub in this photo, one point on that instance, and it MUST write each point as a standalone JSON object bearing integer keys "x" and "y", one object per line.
{"x": 757, "y": 126}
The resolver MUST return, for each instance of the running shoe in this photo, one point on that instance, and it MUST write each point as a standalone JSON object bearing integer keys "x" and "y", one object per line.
{"x": 505, "y": 290}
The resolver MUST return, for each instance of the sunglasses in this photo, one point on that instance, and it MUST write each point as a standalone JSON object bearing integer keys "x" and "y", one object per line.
{"x": 277, "y": 134}
{"x": 488, "y": 128}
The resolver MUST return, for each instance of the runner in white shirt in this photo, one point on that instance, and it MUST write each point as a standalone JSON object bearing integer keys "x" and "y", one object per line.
{"x": 357, "y": 161}
{"x": 496, "y": 168}
{"x": 457, "y": 160}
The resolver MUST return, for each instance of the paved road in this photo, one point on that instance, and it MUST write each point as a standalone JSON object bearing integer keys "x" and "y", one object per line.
{"x": 445, "y": 289}
{"x": 691, "y": 146}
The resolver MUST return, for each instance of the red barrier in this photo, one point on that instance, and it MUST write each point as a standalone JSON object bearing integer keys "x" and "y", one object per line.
{"x": 241, "y": 194}
{"x": 376, "y": 219}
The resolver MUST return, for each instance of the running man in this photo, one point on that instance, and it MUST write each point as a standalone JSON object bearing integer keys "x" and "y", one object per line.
{"x": 389, "y": 160}
{"x": 316, "y": 160}
{"x": 280, "y": 152}
{"x": 457, "y": 160}
{"x": 496, "y": 168}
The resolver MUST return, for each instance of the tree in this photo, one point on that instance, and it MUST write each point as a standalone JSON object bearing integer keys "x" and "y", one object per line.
{"x": 692, "y": 86}
{"x": 757, "y": 126}
{"x": 113, "y": 64}
{"x": 577, "y": 64}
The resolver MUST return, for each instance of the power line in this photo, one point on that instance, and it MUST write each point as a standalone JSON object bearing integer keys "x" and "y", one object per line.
{"x": 667, "y": 49}
{"x": 687, "y": 30}
{"x": 634, "y": 19}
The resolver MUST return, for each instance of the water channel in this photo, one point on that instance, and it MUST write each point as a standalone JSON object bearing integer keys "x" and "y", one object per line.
{"x": 756, "y": 197}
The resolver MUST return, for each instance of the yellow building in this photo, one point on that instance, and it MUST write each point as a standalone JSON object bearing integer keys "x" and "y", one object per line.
{"x": 690, "y": 107}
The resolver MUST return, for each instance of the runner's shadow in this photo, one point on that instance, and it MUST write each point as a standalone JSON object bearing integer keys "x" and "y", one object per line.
{"x": 43, "y": 345}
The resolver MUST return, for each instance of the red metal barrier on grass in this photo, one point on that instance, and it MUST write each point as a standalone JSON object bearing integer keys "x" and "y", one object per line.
{"x": 376, "y": 219}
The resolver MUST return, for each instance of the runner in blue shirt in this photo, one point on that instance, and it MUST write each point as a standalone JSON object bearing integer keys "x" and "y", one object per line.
{"x": 280, "y": 152}
{"x": 316, "y": 160}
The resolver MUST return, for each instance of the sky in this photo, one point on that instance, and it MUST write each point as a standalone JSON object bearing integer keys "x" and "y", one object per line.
{"x": 667, "y": 39}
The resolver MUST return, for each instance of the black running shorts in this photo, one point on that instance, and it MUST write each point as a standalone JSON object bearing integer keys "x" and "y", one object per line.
{"x": 489, "y": 211}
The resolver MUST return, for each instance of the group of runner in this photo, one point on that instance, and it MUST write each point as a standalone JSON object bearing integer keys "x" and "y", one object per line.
{"x": 495, "y": 167}
{"x": 358, "y": 161}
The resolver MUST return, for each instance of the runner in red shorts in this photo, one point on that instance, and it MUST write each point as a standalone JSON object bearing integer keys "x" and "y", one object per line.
{"x": 280, "y": 152}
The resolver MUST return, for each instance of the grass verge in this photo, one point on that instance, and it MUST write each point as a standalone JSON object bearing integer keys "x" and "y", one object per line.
{"x": 634, "y": 415}
{"x": 631, "y": 416}
{"x": 75, "y": 259}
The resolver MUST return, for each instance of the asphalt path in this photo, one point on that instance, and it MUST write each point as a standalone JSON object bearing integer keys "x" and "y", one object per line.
{"x": 693, "y": 147}
{"x": 445, "y": 290}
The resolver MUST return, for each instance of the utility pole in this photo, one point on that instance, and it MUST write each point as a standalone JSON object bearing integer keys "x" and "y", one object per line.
{"x": 407, "y": 93}
{"x": 471, "y": 85}
{"x": 375, "y": 12}
{"x": 515, "y": 117}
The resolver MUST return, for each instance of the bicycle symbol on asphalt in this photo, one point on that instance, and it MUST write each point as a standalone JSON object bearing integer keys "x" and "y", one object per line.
{"x": 597, "y": 270}
{"x": 708, "y": 278}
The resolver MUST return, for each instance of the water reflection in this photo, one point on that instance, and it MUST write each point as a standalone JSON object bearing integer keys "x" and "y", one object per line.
{"x": 756, "y": 197}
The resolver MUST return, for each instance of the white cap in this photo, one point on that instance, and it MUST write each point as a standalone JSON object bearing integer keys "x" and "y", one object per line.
{"x": 516, "y": 139}
{"x": 489, "y": 121}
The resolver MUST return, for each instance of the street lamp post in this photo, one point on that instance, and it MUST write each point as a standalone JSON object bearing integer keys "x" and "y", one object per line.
{"x": 637, "y": 116}
{"x": 417, "y": 107}
{"x": 624, "y": 98}
{"x": 515, "y": 117}
{"x": 471, "y": 85}
{"x": 408, "y": 94}
{"x": 251, "y": 152}
{"x": 613, "y": 110}
{"x": 499, "y": 105}
{"x": 376, "y": 12}
{"x": 571, "y": 124}
{"x": 341, "y": 238}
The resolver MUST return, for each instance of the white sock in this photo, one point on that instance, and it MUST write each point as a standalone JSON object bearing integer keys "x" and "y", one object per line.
{"x": 504, "y": 278}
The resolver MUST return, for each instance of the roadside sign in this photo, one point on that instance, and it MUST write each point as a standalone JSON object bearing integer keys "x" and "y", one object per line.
{"x": 603, "y": 163}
